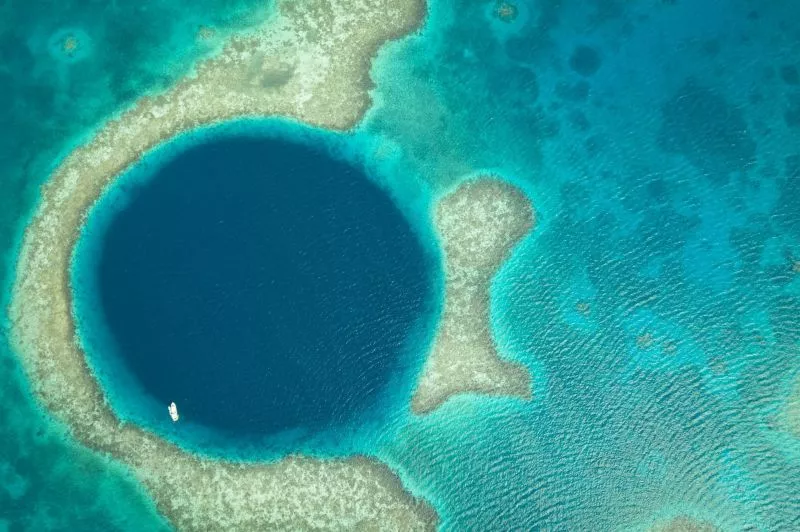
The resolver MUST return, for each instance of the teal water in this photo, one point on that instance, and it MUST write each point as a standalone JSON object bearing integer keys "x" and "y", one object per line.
{"x": 658, "y": 142}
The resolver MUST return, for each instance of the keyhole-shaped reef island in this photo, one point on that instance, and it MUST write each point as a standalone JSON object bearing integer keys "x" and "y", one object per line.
{"x": 309, "y": 62}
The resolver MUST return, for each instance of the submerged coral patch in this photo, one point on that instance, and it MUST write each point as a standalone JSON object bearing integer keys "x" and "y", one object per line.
{"x": 585, "y": 60}
{"x": 69, "y": 45}
{"x": 790, "y": 74}
{"x": 700, "y": 124}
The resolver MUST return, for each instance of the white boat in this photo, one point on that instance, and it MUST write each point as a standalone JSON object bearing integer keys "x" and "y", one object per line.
{"x": 173, "y": 411}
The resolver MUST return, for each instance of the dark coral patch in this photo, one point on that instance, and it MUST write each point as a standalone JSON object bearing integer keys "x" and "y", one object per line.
{"x": 585, "y": 60}
{"x": 792, "y": 114}
{"x": 793, "y": 166}
{"x": 790, "y": 75}
{"x": 787, "y": 209}
{"x": 575, "y": 92}
{"x": 579, "y": 121}
{"x": 518, "y": 86}
{"x": 698, "y": 123}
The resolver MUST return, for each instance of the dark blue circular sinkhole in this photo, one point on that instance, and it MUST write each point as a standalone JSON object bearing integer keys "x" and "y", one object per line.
{"x": 263, "y": 285}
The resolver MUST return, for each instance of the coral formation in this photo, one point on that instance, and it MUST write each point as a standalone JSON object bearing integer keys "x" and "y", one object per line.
{"x": 479, "y": 223}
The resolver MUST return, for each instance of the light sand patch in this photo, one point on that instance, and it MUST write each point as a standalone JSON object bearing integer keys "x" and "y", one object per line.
{"x": 310, "y": 61}
{"x": 684, "y": 523}
{"x": 478, "y": 224}
{"x": 792, "y": 410}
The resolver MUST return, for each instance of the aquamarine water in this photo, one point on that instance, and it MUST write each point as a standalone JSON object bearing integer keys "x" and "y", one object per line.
{"x": 655, "y": 303}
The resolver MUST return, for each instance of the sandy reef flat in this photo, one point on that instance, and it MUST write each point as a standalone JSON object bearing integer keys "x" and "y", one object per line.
{"x": 792, "y": 410}
{"x": 478, "y": 223}
{"x": 684, "y": 523}
{"x": 310, "y": 61}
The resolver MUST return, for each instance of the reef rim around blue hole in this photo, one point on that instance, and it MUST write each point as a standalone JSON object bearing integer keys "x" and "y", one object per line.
{"x": 258, "y": 275}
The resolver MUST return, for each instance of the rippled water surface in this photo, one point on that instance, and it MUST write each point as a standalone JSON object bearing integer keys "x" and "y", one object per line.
{"x": 656, "y": 303}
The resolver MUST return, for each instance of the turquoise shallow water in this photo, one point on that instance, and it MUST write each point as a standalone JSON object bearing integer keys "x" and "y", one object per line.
{"x": 666, "y": 190}
{"x": 655, "y": 302}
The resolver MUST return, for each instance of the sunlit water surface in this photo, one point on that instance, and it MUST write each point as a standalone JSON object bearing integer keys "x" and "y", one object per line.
{"x": 656, "y": 303}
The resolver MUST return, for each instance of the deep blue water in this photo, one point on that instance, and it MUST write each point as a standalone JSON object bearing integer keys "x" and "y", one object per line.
{"x": 658, "y": 141}
{"x": 260, "y": 283}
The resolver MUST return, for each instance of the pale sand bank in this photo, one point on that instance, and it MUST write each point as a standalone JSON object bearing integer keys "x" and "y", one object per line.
{"x": 310, "y": 62}
{"x": 479, "y": 224}
{"x": 792, "y": 410}
{"x": 683, "y": 523}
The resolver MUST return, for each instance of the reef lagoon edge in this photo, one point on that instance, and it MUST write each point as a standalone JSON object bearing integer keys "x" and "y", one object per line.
{"x": 130, "y": 399}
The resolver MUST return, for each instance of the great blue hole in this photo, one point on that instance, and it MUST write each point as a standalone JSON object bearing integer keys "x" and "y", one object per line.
{"x": 260, "y": 283}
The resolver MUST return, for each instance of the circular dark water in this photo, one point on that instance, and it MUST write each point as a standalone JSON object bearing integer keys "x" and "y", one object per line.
{"x": 263, "y": 286}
